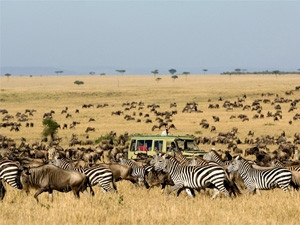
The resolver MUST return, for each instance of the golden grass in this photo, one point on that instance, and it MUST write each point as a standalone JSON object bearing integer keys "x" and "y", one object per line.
{"x": 136, "y": 205}
{"x": 46, "y": 93}
{"x": 132, "y": 205}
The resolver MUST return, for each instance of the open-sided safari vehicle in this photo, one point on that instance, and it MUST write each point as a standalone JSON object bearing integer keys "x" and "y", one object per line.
{"x": 143, "y": 146}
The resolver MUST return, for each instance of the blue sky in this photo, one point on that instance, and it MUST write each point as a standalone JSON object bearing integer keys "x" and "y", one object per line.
{"x": 140, "y": 36}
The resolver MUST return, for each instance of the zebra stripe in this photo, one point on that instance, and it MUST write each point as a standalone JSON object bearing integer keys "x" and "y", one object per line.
{"x": 96, "y": 175}
{"x": 10, "y": 173}
{"x": 256, "y": 179}
{"x": 199, "y": 177}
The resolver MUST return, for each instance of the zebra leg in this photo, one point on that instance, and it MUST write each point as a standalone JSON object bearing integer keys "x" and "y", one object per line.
{"x": 250, "y": 189}
{"x": 216, "y": 192}
{"x": 50, "y": 195}
{"x": 175, "y": 187}
{"x": 2, "y": 191}
{"x": 190, "y": 192}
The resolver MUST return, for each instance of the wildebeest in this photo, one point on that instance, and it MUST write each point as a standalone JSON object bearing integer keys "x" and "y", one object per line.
{"x": 48, "y": 178}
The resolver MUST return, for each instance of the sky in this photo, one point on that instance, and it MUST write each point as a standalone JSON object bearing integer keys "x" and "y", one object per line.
{"x": 141, "y": 36}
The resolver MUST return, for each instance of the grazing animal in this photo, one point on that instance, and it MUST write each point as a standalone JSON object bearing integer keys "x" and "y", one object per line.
{"x": 50, "y": 177}
{"x": 191, "y": 177}
{"x": 257, "y": 179}
{"x": 9, "y": 173}
{"x": 137, "y": 171}
{"x": 120, "y": 172}
{"x": 96, "y": 175}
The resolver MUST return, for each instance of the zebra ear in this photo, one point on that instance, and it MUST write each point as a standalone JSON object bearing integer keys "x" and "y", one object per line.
{"x": 238, "y": 157}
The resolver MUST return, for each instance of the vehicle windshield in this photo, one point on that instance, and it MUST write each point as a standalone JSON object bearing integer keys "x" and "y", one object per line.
{"x": 187, "y": 145}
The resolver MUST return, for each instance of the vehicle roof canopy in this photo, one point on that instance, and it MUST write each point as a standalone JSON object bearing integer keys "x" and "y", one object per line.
{"x": 173, "y": 137}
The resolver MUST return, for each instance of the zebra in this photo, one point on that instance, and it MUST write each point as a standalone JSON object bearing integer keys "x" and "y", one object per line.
{"x": 213, "y": 156}
{"x": 97, "y": 174}
{"x": 191, "y": 177}
{"x": 9, "y": 173}
{"x": 137, "y": 171}
{"x": 277, "y": 163}
{"x": 256, "y": 179}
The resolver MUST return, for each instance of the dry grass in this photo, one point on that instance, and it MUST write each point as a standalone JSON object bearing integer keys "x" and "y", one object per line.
{"x": 137, "y": 206}
{"x": 134, "y": 205}
{"x": 46, "y": 93}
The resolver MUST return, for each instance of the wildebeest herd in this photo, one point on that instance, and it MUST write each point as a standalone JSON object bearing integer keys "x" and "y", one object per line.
{"x": 48, "y": 166}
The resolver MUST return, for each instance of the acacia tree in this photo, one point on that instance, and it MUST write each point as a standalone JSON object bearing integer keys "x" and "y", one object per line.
{"x": 238, "y": 70}
{"x": 186, "y": 74}
{"x": 204, "y": 70}
{"x": 59, "y": 72}
{"x": 50, "y": 128}
{"x": 172, "y": 71}
{"x": 154, "y": 72}
{"x": 121, "y": 71}
{"x": 7, "y": 75}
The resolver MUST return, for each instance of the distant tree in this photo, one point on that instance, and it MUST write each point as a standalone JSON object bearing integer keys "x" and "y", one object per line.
{"x": 238, "y": 71}
{"x": 102, "y": 74}
{"x": 59, "y": 72}
{"x": 92, "y": 73}
{"x": 276, "y": 72}
{"x": 50, "y": 128}
{"x": 121, "y": 71}
{"x": 186, "y": 74}
{"x": 7, "y": 75}
{"x": 172, "y": 71}
{"x": 174, "y": 77}
{"x": 78, "y": 82}
{"x": 158, "y": 79}
{"x": 204, "y": 70}
{"x": 154, "y": 72}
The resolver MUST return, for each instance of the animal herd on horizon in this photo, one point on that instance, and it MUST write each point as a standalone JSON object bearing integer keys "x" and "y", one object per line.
{"x": 47, "y": 166}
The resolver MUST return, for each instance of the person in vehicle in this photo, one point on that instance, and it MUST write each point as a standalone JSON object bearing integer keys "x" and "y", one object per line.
{"x": 165, "y": 132}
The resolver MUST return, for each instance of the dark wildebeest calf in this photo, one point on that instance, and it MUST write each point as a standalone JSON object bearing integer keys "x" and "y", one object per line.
{"x": 49, "y": 178}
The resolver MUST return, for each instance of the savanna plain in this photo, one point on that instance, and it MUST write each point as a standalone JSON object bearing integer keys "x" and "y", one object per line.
{"x": 137, "y": 205}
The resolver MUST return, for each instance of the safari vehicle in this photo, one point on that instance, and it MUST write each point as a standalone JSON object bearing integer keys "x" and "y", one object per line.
{"x": 142, "y": 146}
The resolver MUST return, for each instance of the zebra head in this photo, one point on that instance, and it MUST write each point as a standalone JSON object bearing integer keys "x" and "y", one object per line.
{"x": 193, "y": 161}
{"x": 55, "y": 161}
{"x": 159, "y": 162}
{"x": 234, "y": 165}
{"x": 207, "y": 156}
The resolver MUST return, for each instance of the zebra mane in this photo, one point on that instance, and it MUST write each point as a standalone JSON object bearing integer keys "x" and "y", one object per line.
{"x": 216, "y": 153}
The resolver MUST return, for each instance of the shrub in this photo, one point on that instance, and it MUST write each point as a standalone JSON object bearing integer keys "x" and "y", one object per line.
{"x": 78, "y": 82}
